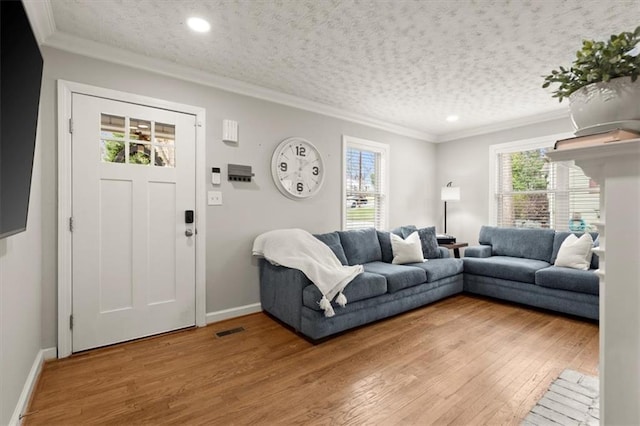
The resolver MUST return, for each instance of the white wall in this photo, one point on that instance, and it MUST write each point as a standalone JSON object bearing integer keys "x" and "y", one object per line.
{"x": 20, "y": 308}
{"x": 465, "y": 162}
{"x": 249, "y": 208}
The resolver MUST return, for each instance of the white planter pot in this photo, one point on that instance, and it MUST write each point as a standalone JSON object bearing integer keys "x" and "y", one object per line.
{"x": 603, "y": 103}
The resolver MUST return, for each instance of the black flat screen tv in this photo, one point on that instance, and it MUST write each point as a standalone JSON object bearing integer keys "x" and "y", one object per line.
{"x": 20, "y": 80}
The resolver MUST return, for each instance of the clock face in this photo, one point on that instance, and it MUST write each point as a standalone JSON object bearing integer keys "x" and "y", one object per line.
{"x": 297, "y": 168}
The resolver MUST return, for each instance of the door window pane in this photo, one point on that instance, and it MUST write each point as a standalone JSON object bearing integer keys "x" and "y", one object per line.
{"x": 140, "y": 129}
{"x": 112, "y": 151}
{"x": 139, "y": 153}
{"x": 164, "y": 144}
{"x": 112, "y": 134}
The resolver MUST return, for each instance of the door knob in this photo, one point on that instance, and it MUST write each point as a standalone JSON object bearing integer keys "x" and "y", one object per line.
{"x": 188, "y": 233}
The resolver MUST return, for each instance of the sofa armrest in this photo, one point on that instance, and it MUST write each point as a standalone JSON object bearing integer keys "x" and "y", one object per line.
{"x": 478, "y": 251}
{"x": 281, "y": 292}
{"x": 444, "y": 252}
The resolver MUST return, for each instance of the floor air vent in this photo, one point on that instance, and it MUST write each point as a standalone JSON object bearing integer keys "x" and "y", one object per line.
{"x": 228, "y": 332}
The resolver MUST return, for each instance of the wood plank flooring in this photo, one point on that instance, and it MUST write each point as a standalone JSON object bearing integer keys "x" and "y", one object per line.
{"x": 460, "y": 361}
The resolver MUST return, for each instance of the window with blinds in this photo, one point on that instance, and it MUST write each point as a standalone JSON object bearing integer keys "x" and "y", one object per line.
{"x": 532, "y": 192}
{"x": 364, "y": 186}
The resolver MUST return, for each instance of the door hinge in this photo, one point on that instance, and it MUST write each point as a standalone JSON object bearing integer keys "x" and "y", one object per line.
{"x": 71, "y": 322}
{"x": 70, "y": 224}
{"x": 70, "y": 126}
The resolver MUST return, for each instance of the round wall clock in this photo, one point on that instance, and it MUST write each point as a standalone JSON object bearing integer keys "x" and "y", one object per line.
{"x": 297, "y": 168}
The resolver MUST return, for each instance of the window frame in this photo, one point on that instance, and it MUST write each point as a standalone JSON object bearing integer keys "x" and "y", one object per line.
{"x": 384, "y": 151}
{"x": 511, "y": 147}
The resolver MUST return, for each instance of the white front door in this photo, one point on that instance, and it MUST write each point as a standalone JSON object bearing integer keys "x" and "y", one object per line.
{"x": 133, "y": 266}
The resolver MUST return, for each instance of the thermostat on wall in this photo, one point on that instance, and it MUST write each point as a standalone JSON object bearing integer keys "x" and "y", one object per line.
{"x": 215, "y": 175}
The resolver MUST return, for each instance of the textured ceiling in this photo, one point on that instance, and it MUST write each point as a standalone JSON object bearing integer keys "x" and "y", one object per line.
{"x": 409, "y": 63}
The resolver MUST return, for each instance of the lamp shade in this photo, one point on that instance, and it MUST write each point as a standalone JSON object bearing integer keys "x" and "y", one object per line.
{"x": 450, "y": 193}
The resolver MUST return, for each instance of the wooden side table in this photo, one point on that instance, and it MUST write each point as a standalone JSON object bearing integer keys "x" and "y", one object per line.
{"x": 455, "y": 247}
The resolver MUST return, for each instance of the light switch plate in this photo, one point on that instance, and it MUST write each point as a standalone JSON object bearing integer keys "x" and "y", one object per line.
{"x": 214, "y": 198}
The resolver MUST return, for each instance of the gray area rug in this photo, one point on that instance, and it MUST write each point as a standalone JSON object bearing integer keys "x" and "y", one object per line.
{"x": 572, "y": 399}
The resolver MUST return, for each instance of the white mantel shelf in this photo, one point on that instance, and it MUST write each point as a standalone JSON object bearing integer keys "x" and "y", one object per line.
{"x": 597, "y": 152}
{"x": 616, "y": 167}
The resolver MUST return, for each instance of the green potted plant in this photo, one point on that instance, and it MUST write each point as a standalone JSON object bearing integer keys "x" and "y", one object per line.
{"x": 602, "y": 83}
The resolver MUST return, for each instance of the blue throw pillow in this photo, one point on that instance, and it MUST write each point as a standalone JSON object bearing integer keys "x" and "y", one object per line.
{"x": 429, "y": 242}
{"x": 360, "y": 245}
{"x": 406, "y": 230}
{"x": 384, "y": 238}
{"x": 332, "y": 239}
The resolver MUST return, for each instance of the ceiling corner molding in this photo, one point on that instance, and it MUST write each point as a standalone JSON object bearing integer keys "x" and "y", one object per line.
{"x": 505, "y": 125}
{"x": 41, "y": 18}
{"x": 69, "y": 43}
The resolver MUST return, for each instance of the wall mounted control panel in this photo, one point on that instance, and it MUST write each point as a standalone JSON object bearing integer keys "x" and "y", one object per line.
{"x": 215, "y": 175}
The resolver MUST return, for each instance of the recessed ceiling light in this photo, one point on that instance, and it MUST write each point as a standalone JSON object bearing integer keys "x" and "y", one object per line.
{"x": 452, "y": 118}
{"x": 198, "y": 25}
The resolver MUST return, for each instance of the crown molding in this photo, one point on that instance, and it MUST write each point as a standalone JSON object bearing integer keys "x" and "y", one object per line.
{"x": 41, "y": 18}
{"x": 504, "y": 125}
{"x": 69, "y": 43}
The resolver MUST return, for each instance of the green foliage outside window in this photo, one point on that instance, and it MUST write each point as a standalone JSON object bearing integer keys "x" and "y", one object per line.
{"x": 528, "y": 171}
{"x": 139, "y": 158}
{"x": 114, "y": 152}
{"x": 530, "y": 174}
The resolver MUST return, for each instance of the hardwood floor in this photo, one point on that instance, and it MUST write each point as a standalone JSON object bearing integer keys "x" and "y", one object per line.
{"x": 460, "y": 361}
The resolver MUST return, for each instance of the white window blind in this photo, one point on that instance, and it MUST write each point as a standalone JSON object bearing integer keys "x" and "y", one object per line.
{"x": 364, "y": 185}
{"x": 532, "y": 192}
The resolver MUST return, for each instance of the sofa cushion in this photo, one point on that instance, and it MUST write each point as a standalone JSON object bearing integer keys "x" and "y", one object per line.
{"x": 360, "y": 245}
{"x": 384, "y": 238}
{"x": 477, "y": 251}
{"x": 332, "y": 239}
{"x": 429, "y": 242}
{"x": 509, "y": 242}
{"x": 406, "y": 251}
{"x": 404, "y": 231}
{"x": 364, "y": 286}
{"x": 569, "y": 279}
{"x": 437, "y": 269}
{"x": 398, "y": 276}
{"x": 504, "y": 267}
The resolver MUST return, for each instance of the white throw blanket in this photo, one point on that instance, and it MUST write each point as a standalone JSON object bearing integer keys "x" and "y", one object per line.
{"x": 298, "y": 249}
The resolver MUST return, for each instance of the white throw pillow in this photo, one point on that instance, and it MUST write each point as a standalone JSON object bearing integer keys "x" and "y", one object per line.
{"x": 575, "y": 252}
{"x": 406, "y": 251}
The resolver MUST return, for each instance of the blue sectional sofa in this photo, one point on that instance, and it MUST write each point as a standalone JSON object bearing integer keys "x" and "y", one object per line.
{"x": 510, "y": 264}
{"x": 517, "y": 265}
{"x": 382, "y": 290}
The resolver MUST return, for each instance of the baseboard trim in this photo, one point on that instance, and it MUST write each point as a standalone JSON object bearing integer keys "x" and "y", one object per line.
{"x": 233, "y": 312}
{"x": 30, "y": 383}
{"x": 49, "y": 353}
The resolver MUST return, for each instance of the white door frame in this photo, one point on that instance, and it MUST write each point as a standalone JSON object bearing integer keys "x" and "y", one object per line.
{"x": 65, "y": 90}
